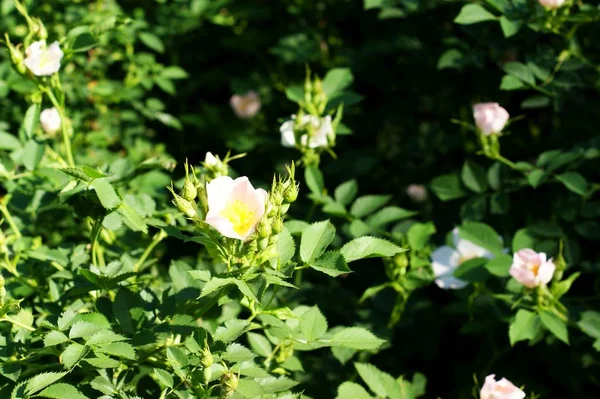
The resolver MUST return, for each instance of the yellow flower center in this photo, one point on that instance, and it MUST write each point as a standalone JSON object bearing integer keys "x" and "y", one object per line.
{"x": 464, "y": 258}
{"x": 239, "y": 215}
{"x": 45, "y": 59}
{"x": 535, "y": 268}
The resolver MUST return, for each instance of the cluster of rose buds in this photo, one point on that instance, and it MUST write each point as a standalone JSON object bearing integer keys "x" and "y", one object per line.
{"x": 311, "y": 130}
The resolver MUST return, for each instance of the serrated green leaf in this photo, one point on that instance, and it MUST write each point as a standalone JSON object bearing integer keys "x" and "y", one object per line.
{"x": 237, "y": 353}
{"x": 42, "y": 380}
{"x": 368, "y": 204}
{"x": 106, "y": 193}
{"x": 231, "y": 330}
{"x": 331, "y": 263}
{"x": 73, "y": 354}
{"x": 525, "y": 326}
{"x": 472, "y": 14}
{"x": 481, "y": 234}
{"x": 351, "y": 390}
{"x": 448, "y": 187}
{"x": 574, "y": 182}
{"x": 118, "y": 349}
{"x": 259, "y": 344}
{"x": 62, "y": 391}
{"x": 356, "y": 338}
{"x": 30, "y": 121}
{"x": 313, "y": 324}
{"x": 373, "y": 377}
{"x": 474, "y": 177}
{"x": 105, "y": 337}
{"x": 369, "y": 247}
{"x": 389, "y": 214}
{"x": 555, "y": 324}
{"x": 82, "y": 329}
{"x": 315, "y": 240}
{"x": 215, "y": 284}
{"x": 54, "y": 338}
{"x": 164, "y": 377}
{"x": 152, "y": 41}
{"x": 336, "y": 80}
{"x": 346, "y": 192}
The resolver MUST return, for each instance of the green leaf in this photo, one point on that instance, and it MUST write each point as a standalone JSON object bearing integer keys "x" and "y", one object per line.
{"x": 118, "y": 349}
{"x": 245, "y": 289}
{"x": 451, "y": 58}
{"x": 174, "y": 72}
{"x": 32, "y": 154}
{"x": 574, "y": 182}
{"x": 346, "y": 192}
{"x": 176, "y": 357}
{"x": 525, "y": 326}
{"x": 472, "y": 270}
{"x": 351, "y": 390}
{"x": 82, "y": 329}
{"x": 152, "y": 41}
{"x": 419, "y": 233}
{"x": 106, "y": 193}
{"x": 537, "y": 101}
{"x": 510, "y": 82}
{"x": 509, "y": 27}
{"x": 389, "y": 214}
{"x": 590, "y": 323}
{"x": 295, "y": 93}
{"x": 164, "y": 377}
{"x": 237, "y": 353}
{"x": 368, "y": 204}
{"x": 523, "y": 239}
{"x": 500, "y": 265}
{"x": 30, "y": 122}
{"x": 259, "y": 344}
{"x": 555, "y": 324}
{"x": 536, "y": 177}
{"x": 356, "y": 338}
{"x": 314, "y": 180}
{"x": 447, "y": 187}
{"x": 315, "y": 240}
{"x": 55, "y": 338}
{"x": 369, "y": 247}
{"x": 481, "y": 234}
{"x": 473, "y": 13}
{"x": 560, "y": 288}
{"x": 132, "y": 218}
{"x": 73, "y": 354}
{"x": 331, "y": 263}
{"x": 337, "y": 80}
{"x": 62, "y": 391}
{"x": 9, "y": 142}
{"x": 373, "y": 377}
{"x": 313, "y": 324}
{"x": 474, "y": 177}
{"x": 520, "y": 71}
{"x": 286, "y": 247}
{"x": 41, "y": 381}
{"x": 104, "y": 337}
{"x": 215, "y": 284}
{"x": 231, "y": 330}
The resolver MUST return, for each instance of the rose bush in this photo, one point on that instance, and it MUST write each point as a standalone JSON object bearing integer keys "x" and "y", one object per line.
{"x": 299, "y": 199}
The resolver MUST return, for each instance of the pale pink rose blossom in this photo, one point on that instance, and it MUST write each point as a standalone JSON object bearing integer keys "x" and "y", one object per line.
{"x": 43, "y": 60}
{"x": 210, "y": 160}
{"x": 503, "y": 389}
{"x": 234, "y": 206}
{"x": 245, "y": 106}
{"x": 532, "y": 269}
{"x": 551, "y": 4}
{"x": 50, "y": 120}
{"x": 490, "y": 118}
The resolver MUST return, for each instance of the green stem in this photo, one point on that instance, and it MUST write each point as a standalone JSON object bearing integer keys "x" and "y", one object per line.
{"x": 63, "y": 126}
{"x": 17, "y": 323}
{"x": 161, "y": 235}
{"x": 9, "y": 219}
{"x": 95, "y": 235}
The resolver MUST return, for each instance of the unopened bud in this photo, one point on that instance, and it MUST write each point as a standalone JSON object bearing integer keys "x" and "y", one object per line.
{"x": 277, "y": 225}
{"x": 229, "y": 383}
{"x": 264, "y": 228}
{"x": 207, "y": 358}
{"x": 42, "y": 32}
{"x": 263, "y": 244}
{"x": 291, "y": 193}
{"x": 276, "y": 197}
{"x": 184, "y": 206}
{"x": 207, "y": 374}
{"x": 16, "y": 57}
{"x": 189, "y": 191}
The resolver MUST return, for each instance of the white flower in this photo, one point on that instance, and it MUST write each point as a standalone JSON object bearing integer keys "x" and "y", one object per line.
{"x": 551, "y": 4}
{"x": 43, "y": 60}
{"x": 417, "y": 192}
{"x": 322, "y": 131}
{"x": 532, "y": 269}
{"x": 490, "y": 118}
{"x": 503, "y": 389}
{"x": 210, "y": 160}
{"x": 445, "y": 261}
{"x": 50, "y": 120}
{"x": 247, "y": 105}
{"x": 234, "y": 206}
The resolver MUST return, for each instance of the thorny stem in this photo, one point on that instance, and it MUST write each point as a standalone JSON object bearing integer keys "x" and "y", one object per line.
{"x": 10, "y": 220}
